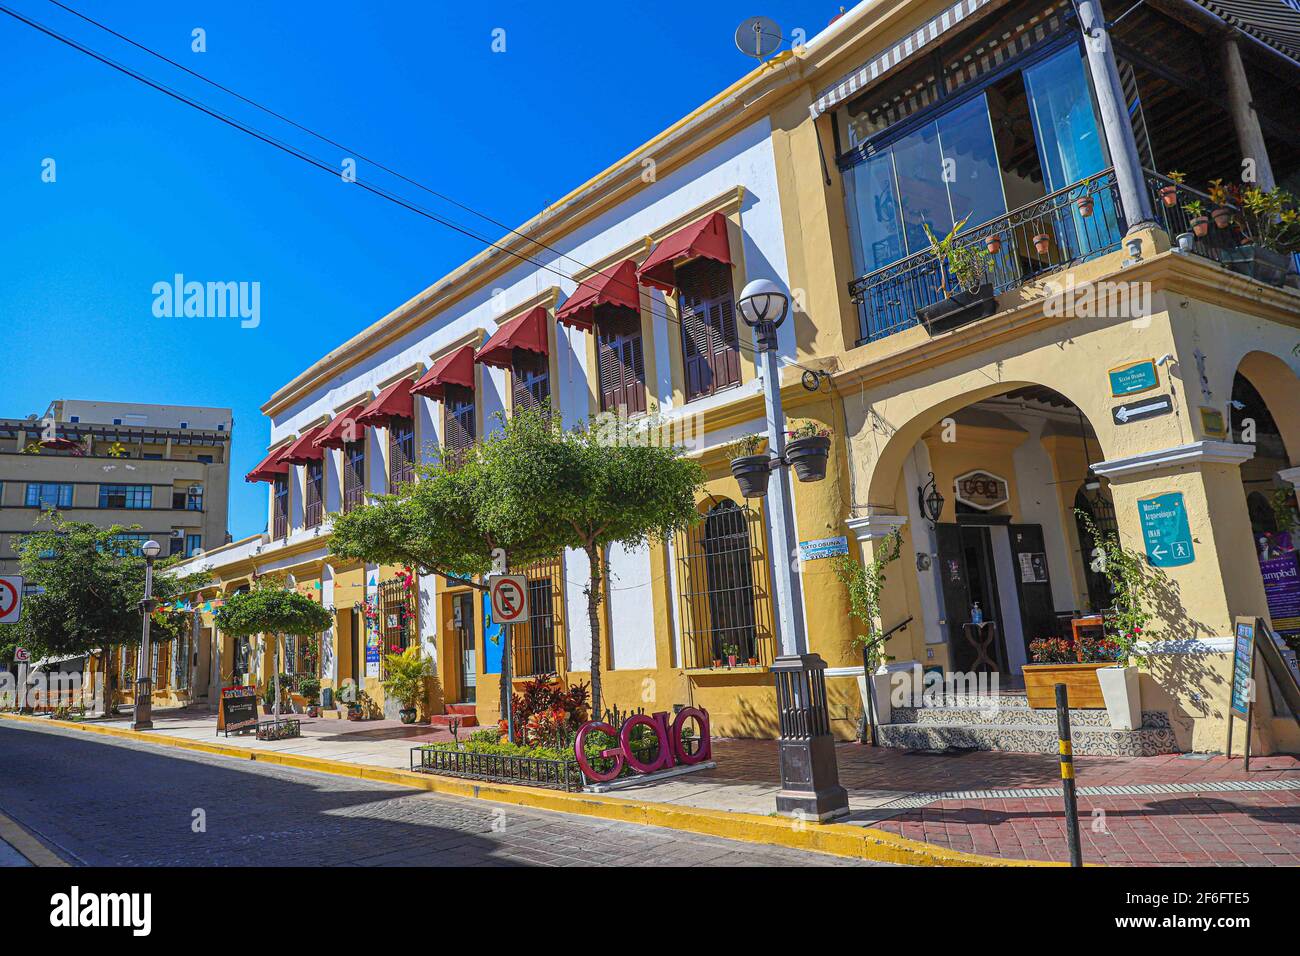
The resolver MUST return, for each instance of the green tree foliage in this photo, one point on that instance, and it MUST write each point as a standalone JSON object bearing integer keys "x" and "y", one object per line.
{"x": 272, "y": 610}
{"x": 533, "y": 490}
{"x": 865, "y": 586}
{"x": 93, "y": 585}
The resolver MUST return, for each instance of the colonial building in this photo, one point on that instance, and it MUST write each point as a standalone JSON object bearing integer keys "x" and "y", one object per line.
{"x": 1117, "y": 356}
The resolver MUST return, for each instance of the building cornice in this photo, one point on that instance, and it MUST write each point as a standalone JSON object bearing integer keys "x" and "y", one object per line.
{"x": 1206, "y": 452}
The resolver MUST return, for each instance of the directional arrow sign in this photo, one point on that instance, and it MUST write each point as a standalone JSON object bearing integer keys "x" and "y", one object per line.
{"x": 11, "y": 598}
{"x": 1165, "y": 530}
{"x": 1142, "y": 408}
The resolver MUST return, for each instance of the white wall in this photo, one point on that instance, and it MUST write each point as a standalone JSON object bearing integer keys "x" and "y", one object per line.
{"x": 631, "y": 608}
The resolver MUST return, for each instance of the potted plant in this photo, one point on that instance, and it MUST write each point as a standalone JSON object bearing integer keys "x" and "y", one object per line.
{"x": 1272, "y": 235}
{"x": 1042, "y": 243}
{"x": 1221, "y": 195}
{"x": 1084, "y": 202}
{"x": 751, "y": 662}
{"x": 808, "y": 448}
{"x": 1169, "y": 194}
{"x": 1197, "y": 219}
{"x": 993, "y": 243}
{"x": 971, "y": 297}
{"x": 750, "y": 469}
{"x": 406, "y": 673}
{"x": 732, "y": 652}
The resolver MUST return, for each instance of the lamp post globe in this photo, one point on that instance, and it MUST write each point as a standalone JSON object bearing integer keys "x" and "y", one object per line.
{"x": 151, "y": 549}
{"x": 763, "y": 304}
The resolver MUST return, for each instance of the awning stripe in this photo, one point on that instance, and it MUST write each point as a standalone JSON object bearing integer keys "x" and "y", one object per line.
{"x": 1275, "y": 22}
{"x": 927, "y": 34}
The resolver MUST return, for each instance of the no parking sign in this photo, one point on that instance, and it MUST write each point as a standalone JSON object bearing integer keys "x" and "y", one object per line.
{"x": 11, "y": 598}
{"x": 509, "y": 597}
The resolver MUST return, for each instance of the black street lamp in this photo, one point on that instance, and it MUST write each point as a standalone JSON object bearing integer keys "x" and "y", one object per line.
{"x": 143, "y": 719}
{"x": 930, "y": 500}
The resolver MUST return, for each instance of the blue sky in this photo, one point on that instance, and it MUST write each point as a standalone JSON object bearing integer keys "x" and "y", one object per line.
{"x": 146, "y": 187}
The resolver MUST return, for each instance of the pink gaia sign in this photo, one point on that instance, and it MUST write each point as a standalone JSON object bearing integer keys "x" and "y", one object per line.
{"x": 671, "y": 749}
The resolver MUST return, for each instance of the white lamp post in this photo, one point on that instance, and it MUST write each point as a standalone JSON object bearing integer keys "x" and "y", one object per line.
{"x": 810, "y": 785}
{"x": 143, "y": 719}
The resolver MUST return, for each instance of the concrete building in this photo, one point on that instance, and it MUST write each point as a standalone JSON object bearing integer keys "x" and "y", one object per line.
{"x": 1119, "y": 356}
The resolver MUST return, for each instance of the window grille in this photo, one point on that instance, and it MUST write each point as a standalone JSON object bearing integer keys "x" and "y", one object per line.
{"x": 397, "y": 628}
{"x": 724, "y": 589}
{"x": 538, "y": 645}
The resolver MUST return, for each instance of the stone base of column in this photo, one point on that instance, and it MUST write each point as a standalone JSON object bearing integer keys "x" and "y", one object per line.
{"x": 143, "y": 719}
{"x": 810, "y": 786}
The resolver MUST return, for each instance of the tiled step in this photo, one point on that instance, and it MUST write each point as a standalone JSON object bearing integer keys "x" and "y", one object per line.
{"x": 1031, "y": 738}
{"x": 444, "y": 720}
{"x": 1003, "y": 715}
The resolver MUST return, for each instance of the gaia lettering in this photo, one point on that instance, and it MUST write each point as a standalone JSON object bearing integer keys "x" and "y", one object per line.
{"x": 671, "y": 750}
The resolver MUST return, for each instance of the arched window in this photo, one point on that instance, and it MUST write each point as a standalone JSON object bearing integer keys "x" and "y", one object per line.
{"x": 723, "y": 588}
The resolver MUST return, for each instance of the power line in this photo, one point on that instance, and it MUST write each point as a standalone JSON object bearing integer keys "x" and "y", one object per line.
{"x": 322, "y": 165}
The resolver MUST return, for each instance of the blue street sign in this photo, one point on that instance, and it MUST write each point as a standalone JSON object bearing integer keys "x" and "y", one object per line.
{"x": 1165, "y": 530}
{"x": 1131, "y": 379}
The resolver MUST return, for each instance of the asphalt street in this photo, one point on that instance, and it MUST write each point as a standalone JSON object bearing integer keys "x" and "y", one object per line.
{"x": 105, "y": 802}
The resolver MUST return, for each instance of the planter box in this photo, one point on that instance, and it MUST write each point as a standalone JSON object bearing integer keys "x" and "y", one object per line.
{"x": 1080, "y": 680}
{"x": 1258, "y": 263}
{"x": 962, "y": 307}
{"x": 1120, "y": 689}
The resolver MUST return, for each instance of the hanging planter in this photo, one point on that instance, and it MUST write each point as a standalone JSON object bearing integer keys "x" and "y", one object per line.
{"x": 752, "y": 473}
{"x": 1042, "y": 243}
{"x": 1222, "y": 216}
{"x": 1169, "y": 195}
{"x": 808, "y": 449}
{"x": 1084, "y": 203}
{"x": 993, "y": 243}
{"x": 1200, "y": 226}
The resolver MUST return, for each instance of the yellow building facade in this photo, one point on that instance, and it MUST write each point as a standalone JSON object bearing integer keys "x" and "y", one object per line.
{"x": 1109, "y": 356}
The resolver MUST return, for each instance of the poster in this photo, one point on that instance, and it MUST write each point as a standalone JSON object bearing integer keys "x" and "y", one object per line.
{"x": 1282, "y": 591}
{"x": 372, "y": 655}
{"x": 1033, "y": 567}
{"x": 1242, "y": 654}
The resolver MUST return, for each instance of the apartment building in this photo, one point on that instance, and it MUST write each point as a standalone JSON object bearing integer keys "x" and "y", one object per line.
{"x": 1122, "y": 359}
{"x": 165, "y": 468}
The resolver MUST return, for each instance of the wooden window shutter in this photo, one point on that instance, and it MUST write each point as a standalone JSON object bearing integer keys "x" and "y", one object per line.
{"x": 621, "y": 356}
{"x": 710, "y": 346}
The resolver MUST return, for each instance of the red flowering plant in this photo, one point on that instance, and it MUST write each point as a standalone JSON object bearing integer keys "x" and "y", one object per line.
{"x": 548, "y": 713}
{"x": 1052, "y": 650}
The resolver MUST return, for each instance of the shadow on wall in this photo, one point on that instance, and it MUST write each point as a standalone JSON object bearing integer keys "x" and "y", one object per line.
{"x": 1189, "y": 686}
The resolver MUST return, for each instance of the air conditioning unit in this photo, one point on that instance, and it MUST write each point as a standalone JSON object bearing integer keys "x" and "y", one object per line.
{"x": 196, "y": 489}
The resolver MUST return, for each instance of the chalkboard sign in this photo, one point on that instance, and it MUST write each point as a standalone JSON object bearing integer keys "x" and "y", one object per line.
{"x": 238, "y": 710}
{"x": 1243, "y": 654}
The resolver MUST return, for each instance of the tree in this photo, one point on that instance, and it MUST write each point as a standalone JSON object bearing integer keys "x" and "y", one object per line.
{"x": 269, "y": 609}
{"x": 93, "y": 583}
{"x": 607, "y": 483}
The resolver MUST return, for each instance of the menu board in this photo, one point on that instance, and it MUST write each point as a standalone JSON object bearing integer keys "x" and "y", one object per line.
{"x": 238, "y": 709}
{"x": 1243, "y": 655}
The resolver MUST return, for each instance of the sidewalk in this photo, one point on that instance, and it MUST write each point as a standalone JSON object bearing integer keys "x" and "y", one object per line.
{"x": 1180, "y": 809}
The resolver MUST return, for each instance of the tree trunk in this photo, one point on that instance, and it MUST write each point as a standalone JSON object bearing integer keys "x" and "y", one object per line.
{"x": 593, "y": 619}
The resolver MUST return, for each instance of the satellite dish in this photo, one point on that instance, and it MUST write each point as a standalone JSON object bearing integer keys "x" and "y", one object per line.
{"x": 758, "y": 37}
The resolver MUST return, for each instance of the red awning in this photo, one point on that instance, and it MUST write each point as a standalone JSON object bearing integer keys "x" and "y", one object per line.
{"x": 304, "y": 448}
{"x": 707, "y": 238}
{"x": 526, "y": 332}
{"x": 611, "y": 287}
{"x": 344, "y": 427}
{"x": 270, "y": 467}
{"x": 455, "y": 368}
{"x": 393, "y": 402}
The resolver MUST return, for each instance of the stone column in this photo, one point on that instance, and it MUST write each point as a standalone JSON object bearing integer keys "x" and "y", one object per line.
{"x": 1250, "y": 139}
{"x": 1133, "y": 194}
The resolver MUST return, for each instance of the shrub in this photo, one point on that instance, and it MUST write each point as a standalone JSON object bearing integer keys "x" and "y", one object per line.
{"x": 406, "y": 675}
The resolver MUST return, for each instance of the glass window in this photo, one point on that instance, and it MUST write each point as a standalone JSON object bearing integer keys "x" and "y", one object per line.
{"x": 49, "y": 495}
{"x": 873, "y": 213}
{"x": 126, "y": 496}
{"x": 970, "y": 163}
{"x": 1065, "y": 124}
{"x": 193, "y": 544}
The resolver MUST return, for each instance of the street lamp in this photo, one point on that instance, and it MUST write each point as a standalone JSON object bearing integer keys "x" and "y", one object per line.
{"x": 810, "y": 785}
{"x": 143, "y": 719}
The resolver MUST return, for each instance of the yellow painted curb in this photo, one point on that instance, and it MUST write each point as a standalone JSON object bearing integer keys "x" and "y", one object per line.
{"x": 839, "y": 839}
{"x": 35, "y": 852}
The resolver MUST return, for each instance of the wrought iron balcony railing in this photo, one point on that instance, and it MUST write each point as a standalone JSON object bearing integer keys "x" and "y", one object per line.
{"x": 1069, "y": 226}
{"x": 1169, "y": 202}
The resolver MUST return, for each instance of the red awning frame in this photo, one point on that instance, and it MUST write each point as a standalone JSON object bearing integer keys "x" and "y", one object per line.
{"x": 393, "y": 402}
{"x": 527, "y": 332}
{"x": 270, "y": 467}
{"x": 617, "y": 287}
{"x": 304, "y": 449}
{"x": 334, "y": 434}
{"x": 704, "y": 239}
{"x": 454, "y": 368}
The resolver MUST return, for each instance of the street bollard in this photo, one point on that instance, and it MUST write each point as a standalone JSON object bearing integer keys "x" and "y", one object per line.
{"x": 1067, "y": 774}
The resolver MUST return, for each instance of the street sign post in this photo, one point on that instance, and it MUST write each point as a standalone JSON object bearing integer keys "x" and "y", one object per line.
{"x": 11, "y": 598}
{"x": 509, "y": 598}
{"x": 1165, "y": 530}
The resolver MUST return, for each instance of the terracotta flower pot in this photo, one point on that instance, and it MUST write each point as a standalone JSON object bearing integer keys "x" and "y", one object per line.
{"x": 1200, "y": 226}
{"x": 731, "y": 660}
{"x": 717, "y": 663}
{"x": 1042, "y": 243}
{"x": 1222, "y": 217}
{"x": 1169, "y": 195}
{"x": 752, "y": 662}
{"x": 994, "y": 244}
{"x": 1085, "y": 206}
